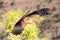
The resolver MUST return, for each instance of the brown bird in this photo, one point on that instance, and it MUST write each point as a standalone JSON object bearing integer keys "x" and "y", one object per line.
{"x": 19, "y": 26}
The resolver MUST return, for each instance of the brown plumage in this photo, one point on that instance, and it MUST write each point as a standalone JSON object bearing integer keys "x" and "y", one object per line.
{"x": 19, "y": 26}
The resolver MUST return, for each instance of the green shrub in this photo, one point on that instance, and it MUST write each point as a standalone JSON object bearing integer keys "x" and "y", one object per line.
{"x": 31, "y": 30}
{"x": 11, "y": 17}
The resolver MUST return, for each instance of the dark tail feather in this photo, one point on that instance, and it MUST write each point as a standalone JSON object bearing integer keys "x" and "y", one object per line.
{"x": 44, "y": 11}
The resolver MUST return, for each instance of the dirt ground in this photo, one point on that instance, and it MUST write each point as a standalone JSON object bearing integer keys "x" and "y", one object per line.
{"x": 50, "y": 26}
